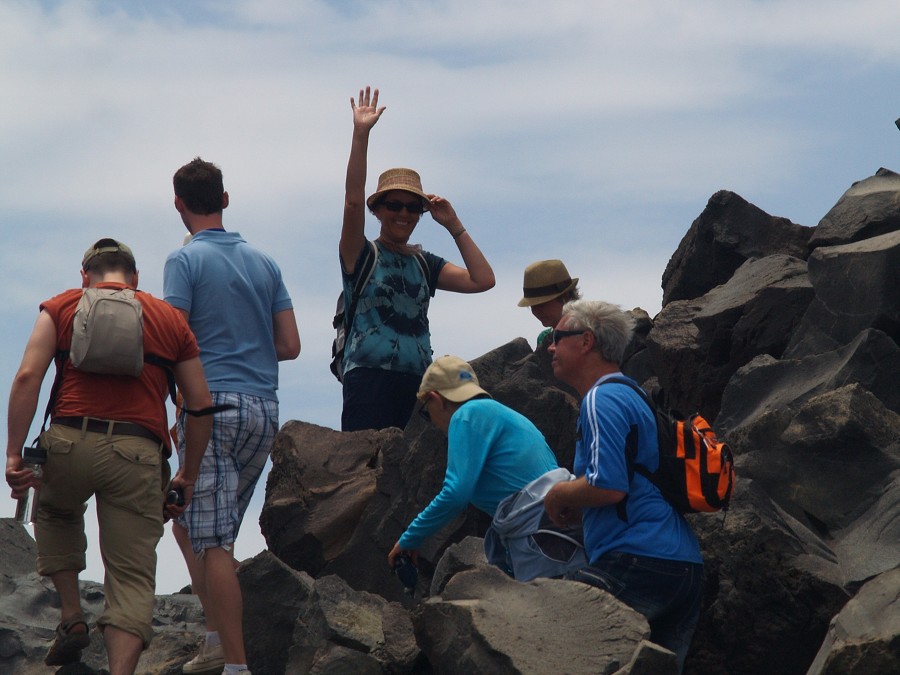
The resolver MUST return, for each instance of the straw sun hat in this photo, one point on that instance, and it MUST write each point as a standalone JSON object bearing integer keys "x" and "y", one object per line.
{"x": 545, "y": 280}
{"x": 398, "y": 179}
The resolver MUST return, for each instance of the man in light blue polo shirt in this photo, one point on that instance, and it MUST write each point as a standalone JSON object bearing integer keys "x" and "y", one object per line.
{"x": 239, "y": 309}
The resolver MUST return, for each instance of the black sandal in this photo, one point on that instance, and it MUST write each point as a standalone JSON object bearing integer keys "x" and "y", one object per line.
{"x": 67, "y": 646}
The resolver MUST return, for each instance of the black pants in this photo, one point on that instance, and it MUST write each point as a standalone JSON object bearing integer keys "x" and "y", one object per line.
{"x": 378, "y": 399}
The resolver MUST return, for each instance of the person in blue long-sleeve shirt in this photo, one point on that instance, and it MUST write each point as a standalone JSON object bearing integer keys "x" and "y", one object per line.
{"x": 492, "y": 451}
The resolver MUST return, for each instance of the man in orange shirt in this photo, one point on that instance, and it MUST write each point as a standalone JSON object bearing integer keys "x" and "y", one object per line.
{"x": 107, "y": 438}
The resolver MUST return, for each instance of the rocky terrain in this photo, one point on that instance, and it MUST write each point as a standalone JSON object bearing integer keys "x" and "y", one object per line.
{"x": 788, "y": 337}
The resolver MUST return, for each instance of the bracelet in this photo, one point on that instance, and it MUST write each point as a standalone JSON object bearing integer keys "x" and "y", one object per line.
{"x": 458, "y": 234}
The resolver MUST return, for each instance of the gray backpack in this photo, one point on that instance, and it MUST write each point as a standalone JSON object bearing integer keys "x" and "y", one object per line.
{"x": 108, "y": 338}
{"x": 108, "y": 332}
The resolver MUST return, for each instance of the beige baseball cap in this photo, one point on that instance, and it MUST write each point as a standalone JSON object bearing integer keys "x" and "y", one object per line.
{"x": 107, "y": 246}
{"x": 452, "y": 378}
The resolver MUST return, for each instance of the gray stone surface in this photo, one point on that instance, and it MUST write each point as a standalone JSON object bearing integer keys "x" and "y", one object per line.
{"x": 832, "y": 460}
{"x": 29, "y": 614}
{"x": 857, "y": 286}
{"x": 18, "y": 552}
{"x": 728, "y": 233}
{"x": 485, "y": 622}
{"x": 863, "y": 638}
{"x": 697, "y": 345}
{"x": 466, "y": 555}
{"x": 870, "y": 207}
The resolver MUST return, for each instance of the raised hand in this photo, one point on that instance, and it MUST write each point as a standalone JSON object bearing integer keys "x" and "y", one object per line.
{"x": 366, "y": 114}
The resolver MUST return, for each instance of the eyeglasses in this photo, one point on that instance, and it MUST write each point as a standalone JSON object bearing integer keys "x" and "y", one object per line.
{"x": 558, "y": 335}
{"x": 411, "y": 207}
{"x": 423, "y": 413}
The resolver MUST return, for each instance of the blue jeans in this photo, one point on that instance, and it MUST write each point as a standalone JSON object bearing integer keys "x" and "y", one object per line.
{"x": 667, "y": 592}
{"x": 377, "y": 399}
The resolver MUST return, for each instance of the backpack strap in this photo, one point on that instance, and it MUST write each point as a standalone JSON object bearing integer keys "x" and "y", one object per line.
{"x": 631, "y": 443}
{"x": 361, "y": 281}
{"x": 167, "y": 367}
{"x": 60, "y": 358}
{"x": 631, "y": 448}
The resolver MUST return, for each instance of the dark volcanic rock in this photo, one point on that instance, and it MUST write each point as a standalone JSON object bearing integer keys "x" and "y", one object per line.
{"x": 762, "y": 563}
{"x": 870, "y": 208}
{"x": 697, "y": 345}
{"x": 18, "y": 553}
{"x": 826, "y": 463}
{"x": 862, "y": 639}
{"x": 857, "y": 286}
{"x": 29, "y": 614}
{"x": 320, "y": 484}
{"x": 728, "y": 233}
{"x": 296, "y": 624}
{"x": 768, "y": 386}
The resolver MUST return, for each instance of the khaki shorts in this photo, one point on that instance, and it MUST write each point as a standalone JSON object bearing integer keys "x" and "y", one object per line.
{"x": 127, "y": 476}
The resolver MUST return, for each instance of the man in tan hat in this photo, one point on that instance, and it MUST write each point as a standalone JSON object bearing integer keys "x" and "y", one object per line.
{"x": 547, "y": 287}
{"x": 492, "y": 451}
{"x": 389, "y": 283}
{"x": 108, "y": 439}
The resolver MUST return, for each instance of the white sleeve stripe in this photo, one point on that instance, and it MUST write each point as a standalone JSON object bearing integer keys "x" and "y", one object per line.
{"x": 591, "y": 471}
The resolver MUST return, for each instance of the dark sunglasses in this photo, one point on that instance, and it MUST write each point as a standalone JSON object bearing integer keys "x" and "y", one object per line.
{"x": 411, "y": 207}
{"x": 558, "y": 335}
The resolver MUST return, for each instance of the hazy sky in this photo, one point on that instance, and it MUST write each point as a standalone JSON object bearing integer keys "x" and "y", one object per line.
{"x": 590, "y": 131}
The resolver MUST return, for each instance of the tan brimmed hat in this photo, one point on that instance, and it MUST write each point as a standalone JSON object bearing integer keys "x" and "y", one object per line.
{"x": 113, "y": 247}
{"x": 398, "y": 179}
{"x": 452, "y": 378}
{"x": 545, "y": 280}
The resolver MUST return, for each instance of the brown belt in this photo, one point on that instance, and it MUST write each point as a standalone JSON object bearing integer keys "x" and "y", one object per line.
{"x": 106, "y": 426}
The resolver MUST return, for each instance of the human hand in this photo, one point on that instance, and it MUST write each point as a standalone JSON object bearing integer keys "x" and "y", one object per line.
{"x": 185, "y": 489}
{"x": 444, "y": 213}
{"x": 367, "y": 113}
{"x": 556, "y": 508}
{"x": 396, "y": 552}
{"x": 19, "y": 478}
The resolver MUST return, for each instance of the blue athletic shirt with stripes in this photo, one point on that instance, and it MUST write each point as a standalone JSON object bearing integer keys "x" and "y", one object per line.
{"x": 654, "y": 528}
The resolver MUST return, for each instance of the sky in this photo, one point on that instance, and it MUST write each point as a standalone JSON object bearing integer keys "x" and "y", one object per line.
{"x": 586, "y": 130}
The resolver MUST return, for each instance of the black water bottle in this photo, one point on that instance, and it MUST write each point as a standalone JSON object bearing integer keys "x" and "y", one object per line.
{"x": 175, "y": 497}
{"x": 406, "y": 572}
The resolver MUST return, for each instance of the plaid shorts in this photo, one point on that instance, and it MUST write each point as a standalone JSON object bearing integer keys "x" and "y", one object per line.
{"x": 232, "y": 464}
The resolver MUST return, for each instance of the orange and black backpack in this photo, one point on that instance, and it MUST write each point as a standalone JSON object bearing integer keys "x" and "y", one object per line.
{"x": 696, "y": 469}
